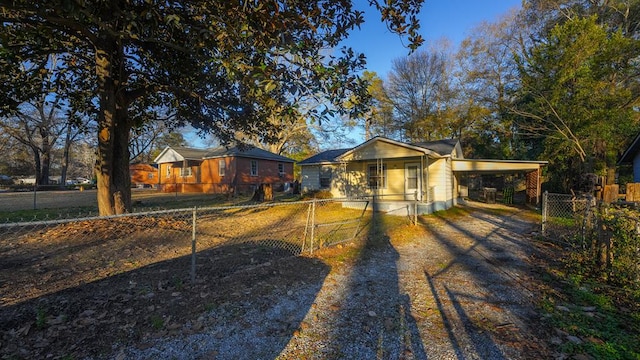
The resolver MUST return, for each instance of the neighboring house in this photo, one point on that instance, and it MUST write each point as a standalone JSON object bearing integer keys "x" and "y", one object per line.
{"x": 632, "y": 156}
{"x": 143, "y": 174}
{"x": 221, "y": 170}
{"x": 429, "y": 172}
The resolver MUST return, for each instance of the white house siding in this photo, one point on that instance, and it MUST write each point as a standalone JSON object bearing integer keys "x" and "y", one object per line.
{"x": 449, "y": 183}
{"x": 440, "y": 182}
{"x": 636, "y": 168}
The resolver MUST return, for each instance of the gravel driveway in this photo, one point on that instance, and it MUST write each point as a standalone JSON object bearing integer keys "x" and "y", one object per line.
{"x": 453, "y": 287}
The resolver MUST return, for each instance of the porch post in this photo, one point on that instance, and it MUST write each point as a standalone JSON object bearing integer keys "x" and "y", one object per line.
{"x": 427, "y": 182}
{"x": 421, "y": 198}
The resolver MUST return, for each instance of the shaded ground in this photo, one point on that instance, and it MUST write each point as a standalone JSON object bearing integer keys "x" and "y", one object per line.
{"x": 459, "y": 286}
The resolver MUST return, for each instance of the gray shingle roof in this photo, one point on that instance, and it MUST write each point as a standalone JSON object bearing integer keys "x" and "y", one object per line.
{"x": 328, "y": 156}
{"x": 190, "y": 153}
{"x": 248, "y": 152}
{"x": 442, "y": 147}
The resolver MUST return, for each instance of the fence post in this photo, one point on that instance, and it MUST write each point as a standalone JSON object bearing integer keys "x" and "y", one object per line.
{"x": 193, "y": 245}
{"x": 306, "y": 229}
{"x": 313, "y": 223}
{"x": 35, "y": 195}
{"x": 545, "y": 200}
{"x": 415, "y": 208}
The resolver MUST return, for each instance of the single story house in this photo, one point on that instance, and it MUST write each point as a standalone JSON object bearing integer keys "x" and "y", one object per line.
{"x": 632, "y": 156}
{"x": 221, "y": 170}
{"x": 143, "y": 174}
{"x": 428, "y": 172}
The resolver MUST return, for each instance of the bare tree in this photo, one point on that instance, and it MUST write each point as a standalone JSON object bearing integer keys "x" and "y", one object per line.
{"x": 419, "y": 89}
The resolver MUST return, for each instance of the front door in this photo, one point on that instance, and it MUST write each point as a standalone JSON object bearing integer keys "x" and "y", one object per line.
{"x": 412, "y": 181}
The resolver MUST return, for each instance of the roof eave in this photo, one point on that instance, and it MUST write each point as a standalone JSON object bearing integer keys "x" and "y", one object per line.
{"x": 627, "y": 157}
{"x": 425, "y": 151}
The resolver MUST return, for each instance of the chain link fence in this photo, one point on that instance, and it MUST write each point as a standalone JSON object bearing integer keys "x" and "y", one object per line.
{"x": 603, "y": 238}
{"x": 45, "y": 256}
{"x": 567, "y": 218}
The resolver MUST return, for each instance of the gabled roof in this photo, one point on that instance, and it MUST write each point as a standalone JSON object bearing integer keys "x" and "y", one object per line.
{"x": 424, "y": 150}
{"x": 178, "y": 153}
{"x": 442, "y": 147}
{"x": 631, "y": 151}
{"x": 325, "y": 157}
{"x": 248, "y": 152}
{"x": 434, "y": 148}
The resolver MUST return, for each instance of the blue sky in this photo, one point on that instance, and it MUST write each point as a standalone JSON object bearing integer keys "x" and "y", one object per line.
{"x": 453, "y": 19}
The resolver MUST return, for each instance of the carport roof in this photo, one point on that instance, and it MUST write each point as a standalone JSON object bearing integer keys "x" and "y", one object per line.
{"x": 495, "y": 166}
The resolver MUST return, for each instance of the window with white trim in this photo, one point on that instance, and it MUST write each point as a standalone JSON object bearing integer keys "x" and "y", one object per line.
{"x": 377, "y": 176}
{"x": 185, "y": 171}
{"x": 254, "y": 167}
{"x": 281, "y": 169}
{"x": 168, "y": 173}
{"x": 222, "y": 167}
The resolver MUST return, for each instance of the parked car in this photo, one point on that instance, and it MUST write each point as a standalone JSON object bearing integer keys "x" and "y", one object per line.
{"x": 6, "y": 180}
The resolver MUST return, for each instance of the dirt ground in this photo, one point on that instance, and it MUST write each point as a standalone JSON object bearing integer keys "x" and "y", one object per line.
{"x": 462, "y": 285}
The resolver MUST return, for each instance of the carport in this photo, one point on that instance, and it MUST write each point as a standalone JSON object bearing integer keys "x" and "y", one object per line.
{"x": 531, "y": 169}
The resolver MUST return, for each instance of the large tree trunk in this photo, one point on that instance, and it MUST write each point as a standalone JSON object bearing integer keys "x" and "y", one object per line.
{"x": 112, "y": 164}
{"x": 65, "y": 155}
{"x": 37, "y": 168}
{"x": 46, "y": 156}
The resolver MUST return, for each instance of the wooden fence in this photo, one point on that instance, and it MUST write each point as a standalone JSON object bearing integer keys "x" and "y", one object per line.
{"x": 611, "y": 193}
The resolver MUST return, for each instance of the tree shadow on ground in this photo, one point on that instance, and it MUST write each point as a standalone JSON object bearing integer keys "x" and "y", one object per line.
{"x": 155, "y": 311}
{"x": 373, "y": 317}
{"x": 487, "y": 310}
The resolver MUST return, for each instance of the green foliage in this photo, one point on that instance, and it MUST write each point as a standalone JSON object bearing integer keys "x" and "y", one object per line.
{"x": 41, "y": 318}
{"x": 622, "y": 226}
{"x": 575, "y": 95}
{"x": 224, "y": 67}
{"x": 156, "y": 321}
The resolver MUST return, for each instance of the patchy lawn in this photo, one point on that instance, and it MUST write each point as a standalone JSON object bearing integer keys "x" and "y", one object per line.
{"x": 464, "y": 286}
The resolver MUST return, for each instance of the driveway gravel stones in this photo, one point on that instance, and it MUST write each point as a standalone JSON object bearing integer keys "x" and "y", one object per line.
{"x": 457, "y": 287}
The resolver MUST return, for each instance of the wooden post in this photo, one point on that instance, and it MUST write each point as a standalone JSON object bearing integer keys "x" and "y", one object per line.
{"x": 264, "y": 192}
{"x": 610, "y": 193}
{"x": 633, "y": 192}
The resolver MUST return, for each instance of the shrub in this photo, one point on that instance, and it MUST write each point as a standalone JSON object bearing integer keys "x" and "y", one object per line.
{"x": 318, "y": 194}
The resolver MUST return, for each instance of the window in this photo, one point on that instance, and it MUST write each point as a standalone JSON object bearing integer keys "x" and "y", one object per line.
{"x": 281, "y": 169}
{"x": 377, "y": 176}
{"x": 184, "y": 172}
{"x": 222, "y": 167}
{"x": 150, "y": 176}
{"x": 254, "y": 167}
{"x": 168, "y": 171}
{"x": 325, "y": 177}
